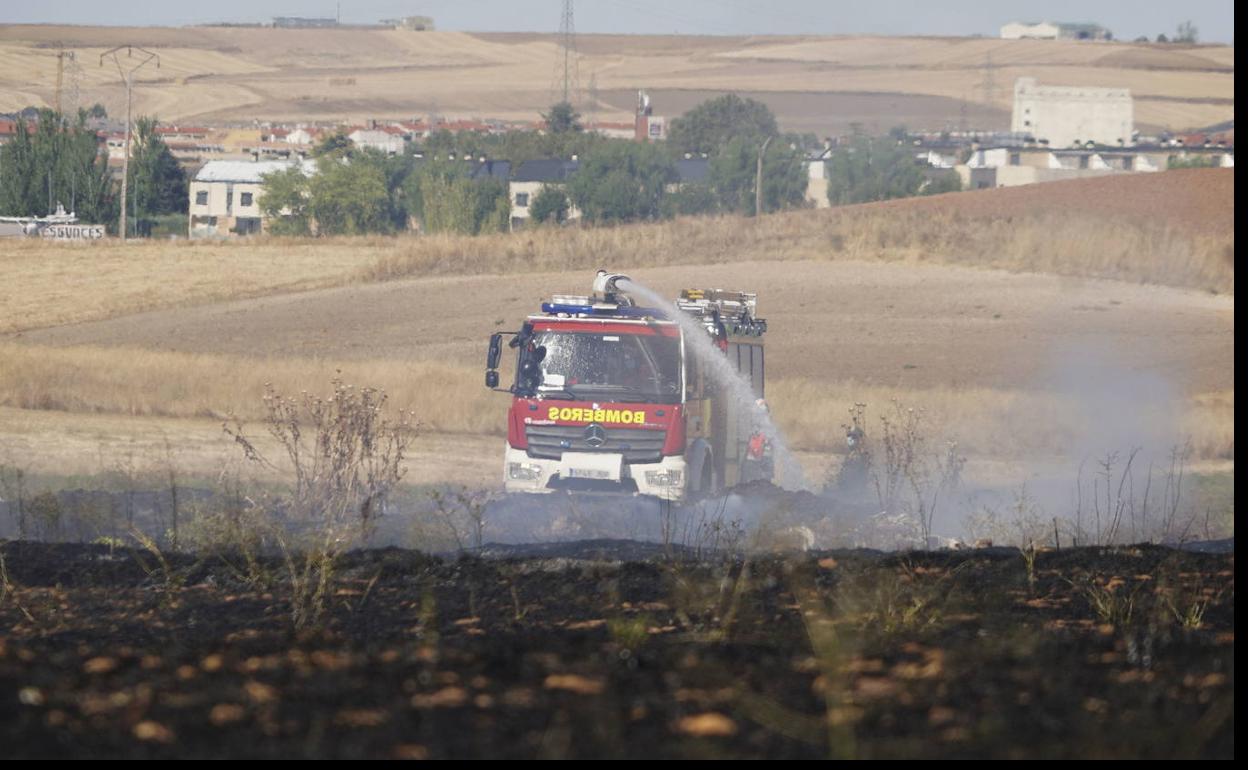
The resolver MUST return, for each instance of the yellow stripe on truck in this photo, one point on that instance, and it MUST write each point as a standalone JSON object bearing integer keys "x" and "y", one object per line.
{"x": 580, "y": 414}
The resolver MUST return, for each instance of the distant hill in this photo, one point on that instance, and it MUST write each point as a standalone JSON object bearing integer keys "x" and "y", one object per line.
{"x": 819, "y": 84}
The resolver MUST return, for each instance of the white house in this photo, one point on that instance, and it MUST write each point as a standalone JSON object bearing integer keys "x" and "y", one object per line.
{"x": 1040, "y": 30}
{"x": 530, "y": 178}
{"x": 1046, "y": 30}
{"x": 301, "y": 136}
{"x": 225, "y": 196}
{"x": 377, "y": 139}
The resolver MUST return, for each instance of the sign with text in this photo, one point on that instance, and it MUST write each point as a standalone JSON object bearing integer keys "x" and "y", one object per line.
{"x": 72, "y": 232}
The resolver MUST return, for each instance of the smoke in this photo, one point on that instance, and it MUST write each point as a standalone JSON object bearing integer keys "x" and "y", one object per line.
{"x": 1117, "y": 475}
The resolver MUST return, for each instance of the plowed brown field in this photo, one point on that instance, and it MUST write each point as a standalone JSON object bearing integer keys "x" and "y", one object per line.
{"x": 1194, "y": 200}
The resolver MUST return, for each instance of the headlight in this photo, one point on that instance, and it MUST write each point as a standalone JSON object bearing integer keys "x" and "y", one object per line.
{"x": 664, "y": 478}
{"x": 523, "y": 472}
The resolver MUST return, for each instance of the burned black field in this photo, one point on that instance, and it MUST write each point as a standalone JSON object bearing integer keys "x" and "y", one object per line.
{"x": 603, "y": 649}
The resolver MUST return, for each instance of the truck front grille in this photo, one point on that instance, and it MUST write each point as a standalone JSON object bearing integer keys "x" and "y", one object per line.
{"x": 637, "y": 445}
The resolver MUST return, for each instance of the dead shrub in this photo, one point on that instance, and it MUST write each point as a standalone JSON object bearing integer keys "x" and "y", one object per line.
{"x": 343, "y": 456}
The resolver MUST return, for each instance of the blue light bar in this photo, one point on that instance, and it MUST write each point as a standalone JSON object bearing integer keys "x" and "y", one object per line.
{"x": 551, "y": 307}
{"x": 590, "y": 310}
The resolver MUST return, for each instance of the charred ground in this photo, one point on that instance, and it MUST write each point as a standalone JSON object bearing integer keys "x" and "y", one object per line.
{"x": 606, "y": 649}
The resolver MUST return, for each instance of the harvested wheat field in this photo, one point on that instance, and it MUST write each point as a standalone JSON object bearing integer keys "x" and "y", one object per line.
{"x": 239, "y": 74}
{"x": 915, "y": 325}
{"x": 1180, "y": 232}
{"x": 900, "y": 301}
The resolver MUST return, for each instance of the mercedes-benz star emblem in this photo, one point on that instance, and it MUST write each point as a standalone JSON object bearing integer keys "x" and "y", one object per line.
{"x": 595, "y": 435}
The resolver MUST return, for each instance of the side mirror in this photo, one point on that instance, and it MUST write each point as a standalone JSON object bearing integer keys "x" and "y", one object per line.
{"x": 491, "y": 379}
{"x": 496, "y": 351}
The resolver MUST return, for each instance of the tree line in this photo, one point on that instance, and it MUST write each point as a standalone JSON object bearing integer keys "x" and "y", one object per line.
{"x": 617, "y": 180}
{"x": 61, "y": 162}
{"x": 357, "y": 190}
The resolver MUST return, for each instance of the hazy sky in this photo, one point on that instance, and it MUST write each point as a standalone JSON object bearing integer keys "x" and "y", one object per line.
{"x": 1215, "y": 19}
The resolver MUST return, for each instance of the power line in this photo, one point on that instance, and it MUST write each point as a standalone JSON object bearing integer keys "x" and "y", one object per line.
{"x": 566, "y": 82}
{"x": 127, "y": 77}
{"x": 990, "y": 81}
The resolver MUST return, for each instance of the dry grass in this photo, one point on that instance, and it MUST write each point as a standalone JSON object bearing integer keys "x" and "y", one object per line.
{"x": 140, "y": 382}
{"x": 134, "y": 382}
{"x": 51, "y": 284}
{"x": 990, "y": 422}
{"x": 66, "y": 447}
{"x": 1088, "y": 246}
{"x": 47, "y": 284}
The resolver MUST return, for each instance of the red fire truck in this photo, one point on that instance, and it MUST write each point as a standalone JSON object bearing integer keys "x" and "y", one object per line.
{"x": 609, "y": 395}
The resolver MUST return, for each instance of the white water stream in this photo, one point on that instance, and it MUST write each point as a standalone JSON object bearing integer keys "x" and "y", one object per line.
{"x": 788, "y": 471}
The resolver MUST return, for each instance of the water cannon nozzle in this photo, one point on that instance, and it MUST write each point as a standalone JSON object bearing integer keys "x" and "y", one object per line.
{"x": 606, "y": 287}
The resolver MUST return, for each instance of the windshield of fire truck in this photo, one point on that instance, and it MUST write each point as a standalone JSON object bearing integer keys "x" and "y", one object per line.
{"x": 619, "y": 367}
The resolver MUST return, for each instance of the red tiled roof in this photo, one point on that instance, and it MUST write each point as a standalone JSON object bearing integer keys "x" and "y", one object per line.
{"x": 192, "y": 130}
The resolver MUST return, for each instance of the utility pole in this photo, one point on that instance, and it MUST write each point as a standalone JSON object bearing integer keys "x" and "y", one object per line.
{"x": 127, "y": 77}
{"x": 758, "y": 179}
{"x": 61, "y": 56}
{"x": 567, "y": 76}
{"x": 990, "y": 81}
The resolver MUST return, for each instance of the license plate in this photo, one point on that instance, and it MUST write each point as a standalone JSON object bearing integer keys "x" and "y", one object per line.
{"x": 588, "y": 473}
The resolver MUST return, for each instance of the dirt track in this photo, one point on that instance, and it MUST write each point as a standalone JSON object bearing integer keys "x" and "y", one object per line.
{"x": 887, "y": 324}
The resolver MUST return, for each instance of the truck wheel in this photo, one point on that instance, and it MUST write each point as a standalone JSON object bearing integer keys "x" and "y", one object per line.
{"x": 706, "y": 487}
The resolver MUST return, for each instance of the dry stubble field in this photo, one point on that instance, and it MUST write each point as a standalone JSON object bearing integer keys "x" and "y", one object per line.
{"x": 219, "y": 74}
{"x": 893, "y": 301}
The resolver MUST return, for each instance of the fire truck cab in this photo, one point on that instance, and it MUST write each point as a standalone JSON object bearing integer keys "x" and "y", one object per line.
{"x": 612, "y": 396}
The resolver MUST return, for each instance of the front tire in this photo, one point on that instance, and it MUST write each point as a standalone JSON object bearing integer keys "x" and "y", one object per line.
{"x": 706, "y": 482}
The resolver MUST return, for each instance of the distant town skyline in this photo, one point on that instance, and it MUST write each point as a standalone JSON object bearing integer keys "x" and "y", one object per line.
{"x": 1214, "y": 19}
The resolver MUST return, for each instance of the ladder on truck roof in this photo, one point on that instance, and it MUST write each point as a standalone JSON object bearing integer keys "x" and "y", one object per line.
{"x": 735, "y": 309}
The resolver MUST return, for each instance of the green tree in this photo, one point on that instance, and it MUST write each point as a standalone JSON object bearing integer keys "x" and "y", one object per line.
{"x": 549, "y": 205}
{"x": 396, "y": 170}
{"x": 448, "y": 204}
{"x": 944, "y": 180}
{"x": 158, "y": 183}
{"x": 714, "y": 123}
{"x": 491, "y": 207}
{"x": 335, "y": 143}
{"x": 562, "y": 119}
{"x": 1186, "y": 33}
{"x": 1191, "y": 161}
{"x": 515, "y": 146}
{"x": 690, "y": 200}
{"x": 285, "y": 202}
{"x": 735, "y": 167}
{"x": 876, "y": 169}
{"x": 447, "y": 199}
{"x": 348, "y": 198}
{"x": 57, "y": 163}
{"x": 440, "y": 143}
{"x": 622, "y": 182}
